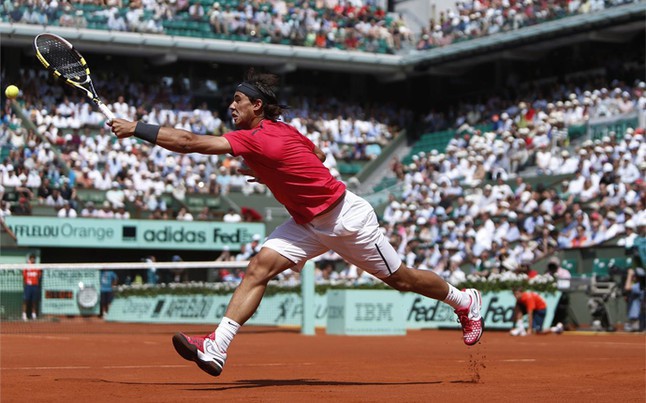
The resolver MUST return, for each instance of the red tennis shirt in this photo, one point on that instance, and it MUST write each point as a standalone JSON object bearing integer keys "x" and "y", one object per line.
{"x": 532, "y": 301}
{"x": 284, "y": 160}
{"x": 31, "y": 276}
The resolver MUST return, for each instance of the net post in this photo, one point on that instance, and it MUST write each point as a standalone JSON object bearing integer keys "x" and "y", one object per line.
{"x": 307, "y": 292}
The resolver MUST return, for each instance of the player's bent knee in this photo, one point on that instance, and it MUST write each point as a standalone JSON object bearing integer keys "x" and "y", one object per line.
{"x": 401, "y": 280}
{"x": 264, "y": 266}
{"x": 257, "y": 271}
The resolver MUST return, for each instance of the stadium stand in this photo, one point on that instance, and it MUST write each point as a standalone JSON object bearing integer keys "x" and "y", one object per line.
{"x": 345, "y": 25}
{"x": 494, "y": 185}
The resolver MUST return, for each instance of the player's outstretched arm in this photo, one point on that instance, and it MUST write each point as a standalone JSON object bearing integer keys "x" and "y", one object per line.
{"x": 177, "y": 140}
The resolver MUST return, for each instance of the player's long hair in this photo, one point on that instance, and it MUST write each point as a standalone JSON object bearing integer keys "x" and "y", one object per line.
{"x": 267, "y": 84}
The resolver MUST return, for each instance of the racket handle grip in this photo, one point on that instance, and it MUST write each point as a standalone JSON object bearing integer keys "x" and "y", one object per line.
{"x": 107, "y": 112}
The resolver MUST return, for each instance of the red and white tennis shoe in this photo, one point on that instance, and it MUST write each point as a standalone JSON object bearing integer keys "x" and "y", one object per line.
{"x": 204, "y": 351}
{"x": 470, "y": 318}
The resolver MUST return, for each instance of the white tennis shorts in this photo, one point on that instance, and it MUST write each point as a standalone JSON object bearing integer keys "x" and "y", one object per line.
{"x": 350, "y": 229}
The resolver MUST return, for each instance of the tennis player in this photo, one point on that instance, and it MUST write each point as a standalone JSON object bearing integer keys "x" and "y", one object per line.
{"x": 324, "y": 216}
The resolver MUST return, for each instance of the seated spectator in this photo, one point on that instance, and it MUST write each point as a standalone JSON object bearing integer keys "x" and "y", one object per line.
{"x": 22, "y": 208}
{"x": 106, "y": 211}
{"x": 580, "y": 238}
{"x": 121, "y": 213}
{"x": 231, "y": 216}
{"x": 67, "y": 211}
{"x": 89, "y": 211}
{"x": 184, "y": 215}
{"x": 55, "y": 199}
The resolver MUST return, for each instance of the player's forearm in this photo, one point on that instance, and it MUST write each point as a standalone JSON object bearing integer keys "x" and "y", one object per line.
{"x": 530, "y": 321}
{"x": 177, "y": 140}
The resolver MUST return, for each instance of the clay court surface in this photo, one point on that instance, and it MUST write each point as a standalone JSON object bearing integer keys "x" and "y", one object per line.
{"x": 96, "y": 361}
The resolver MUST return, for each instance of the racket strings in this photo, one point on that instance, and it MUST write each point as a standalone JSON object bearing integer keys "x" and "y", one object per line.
{"x": 62, "y": 59}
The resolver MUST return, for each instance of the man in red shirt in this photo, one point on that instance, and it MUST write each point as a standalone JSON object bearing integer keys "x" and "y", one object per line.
{"x": 324, "y": 216}
{"x": 533, "y": 305}
{"x": 31, "y": 287}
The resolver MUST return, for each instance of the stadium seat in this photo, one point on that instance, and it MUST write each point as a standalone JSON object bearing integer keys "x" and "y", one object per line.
{"x": 43, "y": 210}
{"x": 571, "y": 266}
{"x": 622, "y": 263}
{"x": 196, "y": 201}
{"x": 601, "y": 266}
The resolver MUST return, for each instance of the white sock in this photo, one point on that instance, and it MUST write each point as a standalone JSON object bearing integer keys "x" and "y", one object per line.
{"x": 520, "y": 324}
{"x": 456, "y": 298}
{"x": 225, "y": 332}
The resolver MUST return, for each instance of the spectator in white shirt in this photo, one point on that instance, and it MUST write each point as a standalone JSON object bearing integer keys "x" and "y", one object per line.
{"x": 576, "y": 184}
{"x": 614, "y": 228}
{"x": 122, "y": 214}
{"x": 232, "y": 216}
{"x": 67, "y": 211}
{"x": 55, "y": 199}
{"x": 627, "y": 171}
{"x": 89, "y": 211}
{"x": 184, "y": 215}
{"x": 121, "y": 108}
{"x": 543, "y": 158}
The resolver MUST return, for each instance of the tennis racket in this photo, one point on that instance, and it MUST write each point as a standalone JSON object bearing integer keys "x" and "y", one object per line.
{"x": 66, "y": 63}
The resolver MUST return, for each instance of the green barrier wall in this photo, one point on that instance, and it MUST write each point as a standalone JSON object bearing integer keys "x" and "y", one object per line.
{"x": 286, "y": 309}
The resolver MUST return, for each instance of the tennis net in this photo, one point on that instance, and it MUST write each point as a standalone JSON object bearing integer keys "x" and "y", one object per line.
{"x": 140, "y": 292}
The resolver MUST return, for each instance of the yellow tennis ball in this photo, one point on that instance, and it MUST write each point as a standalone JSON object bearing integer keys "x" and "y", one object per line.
{"x": 11, "y": 92}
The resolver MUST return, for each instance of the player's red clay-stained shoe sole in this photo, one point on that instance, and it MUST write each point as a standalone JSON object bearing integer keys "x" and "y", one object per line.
{"x": 201, "y": 350}
{"x": 470, "y": 318}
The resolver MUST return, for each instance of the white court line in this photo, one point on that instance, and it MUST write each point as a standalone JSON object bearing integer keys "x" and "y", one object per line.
{"x": 142, "y": 366}
{"x": 88, "y": 367}
{"x": 39, "y": 337}
{"x": 275, "y": 364}
{"x": 520, "y": 360}
{"x": 41, "y": 368}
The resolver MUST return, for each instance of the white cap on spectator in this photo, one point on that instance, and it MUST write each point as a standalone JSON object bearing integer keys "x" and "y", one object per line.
{"x": 607, "y": 167}
{"x": 630, "y": 224}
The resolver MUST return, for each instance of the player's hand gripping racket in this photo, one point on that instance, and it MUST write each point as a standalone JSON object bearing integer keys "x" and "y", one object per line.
{"x": 65, "y": 62}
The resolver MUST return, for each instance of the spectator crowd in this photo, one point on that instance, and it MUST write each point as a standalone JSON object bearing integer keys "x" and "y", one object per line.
{"x": 69, "y": 148}
{"x": 345, "y": 24}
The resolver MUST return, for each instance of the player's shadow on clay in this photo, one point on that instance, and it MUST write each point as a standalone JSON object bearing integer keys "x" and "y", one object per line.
{"x": 263, "y": 383}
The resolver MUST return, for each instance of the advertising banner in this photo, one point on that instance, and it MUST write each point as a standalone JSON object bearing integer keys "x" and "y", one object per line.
{"x": 131, "y": 234}
{"x": 365, "y": 312}
{"x": 70, "y": 292}
{"x": 286, "y": 309}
